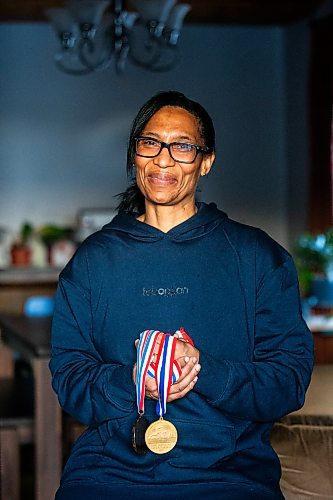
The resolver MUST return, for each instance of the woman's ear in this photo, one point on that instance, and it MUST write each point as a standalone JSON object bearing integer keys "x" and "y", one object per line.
{"x": 207, "y": 164}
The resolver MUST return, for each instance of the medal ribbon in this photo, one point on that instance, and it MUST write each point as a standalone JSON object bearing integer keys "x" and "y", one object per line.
{"x": 145, "y": 352}
{"x": 165, "y": 369}
{"x": 163, "y": 372}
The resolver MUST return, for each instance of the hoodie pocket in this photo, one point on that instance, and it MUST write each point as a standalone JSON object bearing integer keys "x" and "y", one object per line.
{"x": 116, "y": 437}
{"x": 106, "y": 430}
{"x": 202, "y": 444}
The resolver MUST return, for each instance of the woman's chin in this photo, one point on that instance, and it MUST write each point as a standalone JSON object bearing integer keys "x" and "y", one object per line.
{"x": 161, "y": 197}
{"x": 163, "y": 201}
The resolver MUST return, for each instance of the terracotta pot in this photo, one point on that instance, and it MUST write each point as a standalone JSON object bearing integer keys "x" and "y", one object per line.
{"x": 20, "y": 256}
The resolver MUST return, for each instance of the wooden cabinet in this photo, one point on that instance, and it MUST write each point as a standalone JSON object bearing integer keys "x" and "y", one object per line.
{"x": 320, "y": 323}
{"x": 323, "y": 348}
{"x": 16, "y": 285}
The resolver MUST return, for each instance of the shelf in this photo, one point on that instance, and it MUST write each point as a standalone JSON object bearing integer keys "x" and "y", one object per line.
{"x": 28, "y": 276}
{"x": 321, "y": 324}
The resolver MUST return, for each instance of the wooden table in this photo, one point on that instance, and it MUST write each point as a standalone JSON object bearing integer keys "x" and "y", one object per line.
{"x": 30, "y": 337}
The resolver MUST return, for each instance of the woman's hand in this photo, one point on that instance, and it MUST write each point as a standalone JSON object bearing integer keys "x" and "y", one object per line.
{"x": 187, "y": 356}
{"x": 184, "y": 351}
{"x": 186, "y": 381}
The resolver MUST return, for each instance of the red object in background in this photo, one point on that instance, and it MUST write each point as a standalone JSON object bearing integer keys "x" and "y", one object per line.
{"x": 60, "y": 253}
{"x": 20, "y": 256}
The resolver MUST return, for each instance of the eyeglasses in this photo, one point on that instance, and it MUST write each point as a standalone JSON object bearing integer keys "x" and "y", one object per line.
{"x": 182, "y": 152}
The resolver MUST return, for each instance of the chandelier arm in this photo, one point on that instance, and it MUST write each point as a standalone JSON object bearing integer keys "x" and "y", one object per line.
{"x": 154, "y": 49}
{"x": 166, "y": 66}
{"x": 103, "y": 62}
{"x": 146, "y": 53}
{"x": 59, "y": 58}
{"x": 153, "y": 64}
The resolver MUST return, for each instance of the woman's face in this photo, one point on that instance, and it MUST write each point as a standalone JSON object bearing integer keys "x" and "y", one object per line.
{"x": 162, "y": 180}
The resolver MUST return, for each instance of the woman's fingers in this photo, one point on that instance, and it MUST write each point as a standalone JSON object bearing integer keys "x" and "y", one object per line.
{"x": 190, "y": 369}
{"x": 151, "y": 389}
{"x": 186, "y": 382}
{"x": 182, "y": 392}
{"x": 185, "y": 350}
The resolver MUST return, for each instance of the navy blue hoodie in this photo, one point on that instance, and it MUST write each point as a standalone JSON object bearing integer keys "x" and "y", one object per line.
{"x": 235, "y": 291}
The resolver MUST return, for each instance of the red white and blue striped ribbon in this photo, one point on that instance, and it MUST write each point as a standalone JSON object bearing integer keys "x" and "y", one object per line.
{"x": 145, "y": 352}
{"x": 165, "y": 369}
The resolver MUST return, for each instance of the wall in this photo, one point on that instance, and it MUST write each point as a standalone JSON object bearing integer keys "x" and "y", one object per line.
{"x": 63, "y": 138}
{"x": 297, "y": 134}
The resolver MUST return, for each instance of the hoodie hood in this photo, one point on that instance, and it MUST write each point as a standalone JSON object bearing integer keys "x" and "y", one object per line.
{"x": 205, "y": 220}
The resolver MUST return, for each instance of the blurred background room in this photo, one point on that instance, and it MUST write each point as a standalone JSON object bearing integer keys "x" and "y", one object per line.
{"x": 264, "y": 72}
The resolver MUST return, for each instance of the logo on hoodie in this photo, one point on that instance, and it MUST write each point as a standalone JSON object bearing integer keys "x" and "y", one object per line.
{"x": 165, "y": 292}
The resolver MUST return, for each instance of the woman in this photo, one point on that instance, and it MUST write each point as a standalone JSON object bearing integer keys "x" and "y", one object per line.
{"x": 165, "y": 262}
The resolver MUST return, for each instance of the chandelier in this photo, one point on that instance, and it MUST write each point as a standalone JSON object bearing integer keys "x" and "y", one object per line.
{"x": 93, "y": 33}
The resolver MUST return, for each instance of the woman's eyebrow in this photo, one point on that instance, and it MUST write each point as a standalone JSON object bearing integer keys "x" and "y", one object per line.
{"x": 176, "y": 138}
{"x": 146, "y": 133}
{"x": 186, "y": 137}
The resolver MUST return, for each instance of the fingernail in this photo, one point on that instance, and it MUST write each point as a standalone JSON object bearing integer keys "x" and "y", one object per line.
{"x": 197, "y": 367}
{"x": 194, "y": 360}
{"x": 187, "y": 359}
{"x": 195, "y": 379}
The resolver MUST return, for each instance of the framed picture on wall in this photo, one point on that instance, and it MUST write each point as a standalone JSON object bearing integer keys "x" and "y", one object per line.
{"x": 90, "y": 220}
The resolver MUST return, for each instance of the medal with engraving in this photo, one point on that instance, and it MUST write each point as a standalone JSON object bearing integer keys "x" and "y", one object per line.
{"x": 161, "y": 436}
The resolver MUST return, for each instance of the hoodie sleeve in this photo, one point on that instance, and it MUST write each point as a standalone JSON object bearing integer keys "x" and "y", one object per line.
{"x": 88, "y": 388}
{"x": 274, "y": 382}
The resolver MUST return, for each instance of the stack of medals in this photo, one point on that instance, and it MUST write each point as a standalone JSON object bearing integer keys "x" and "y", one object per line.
{"x": 160, "y": 436}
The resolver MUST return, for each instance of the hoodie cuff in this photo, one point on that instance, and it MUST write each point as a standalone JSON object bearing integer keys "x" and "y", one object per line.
{"x": 213, "y": 378}
{"x": 121, "y": 388}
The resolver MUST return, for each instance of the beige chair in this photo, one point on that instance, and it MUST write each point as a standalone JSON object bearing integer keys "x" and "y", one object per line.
{"x": 304, "y": 442}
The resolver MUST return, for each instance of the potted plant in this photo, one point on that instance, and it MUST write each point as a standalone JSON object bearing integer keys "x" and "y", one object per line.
{"x": 314, "y": 262}
{"x": 59, "y": 242}
{"x": 50, "y": 233}
{"x": 20, "y": 251}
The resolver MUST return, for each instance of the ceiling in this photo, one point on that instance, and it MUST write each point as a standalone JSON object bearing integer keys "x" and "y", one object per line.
{"x": 203, "y": 11}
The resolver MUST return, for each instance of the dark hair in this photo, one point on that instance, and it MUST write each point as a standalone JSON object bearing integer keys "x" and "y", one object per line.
{"x": 132, "y": 200}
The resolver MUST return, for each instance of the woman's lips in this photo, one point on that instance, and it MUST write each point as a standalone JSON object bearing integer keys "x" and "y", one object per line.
{"x": 162, "y": 179}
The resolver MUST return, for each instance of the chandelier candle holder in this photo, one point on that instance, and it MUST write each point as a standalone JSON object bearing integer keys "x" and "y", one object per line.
{"x": 93, "y": 33}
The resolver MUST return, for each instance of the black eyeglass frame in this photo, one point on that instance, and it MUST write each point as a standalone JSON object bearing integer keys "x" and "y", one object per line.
{"x": 198, "y": 149}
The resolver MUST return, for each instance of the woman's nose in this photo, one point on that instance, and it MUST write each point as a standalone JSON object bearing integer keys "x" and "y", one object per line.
{"x": 164, "y": 159}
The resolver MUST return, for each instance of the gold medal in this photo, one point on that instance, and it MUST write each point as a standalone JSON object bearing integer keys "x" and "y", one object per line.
{"x": 161, "y": 436}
